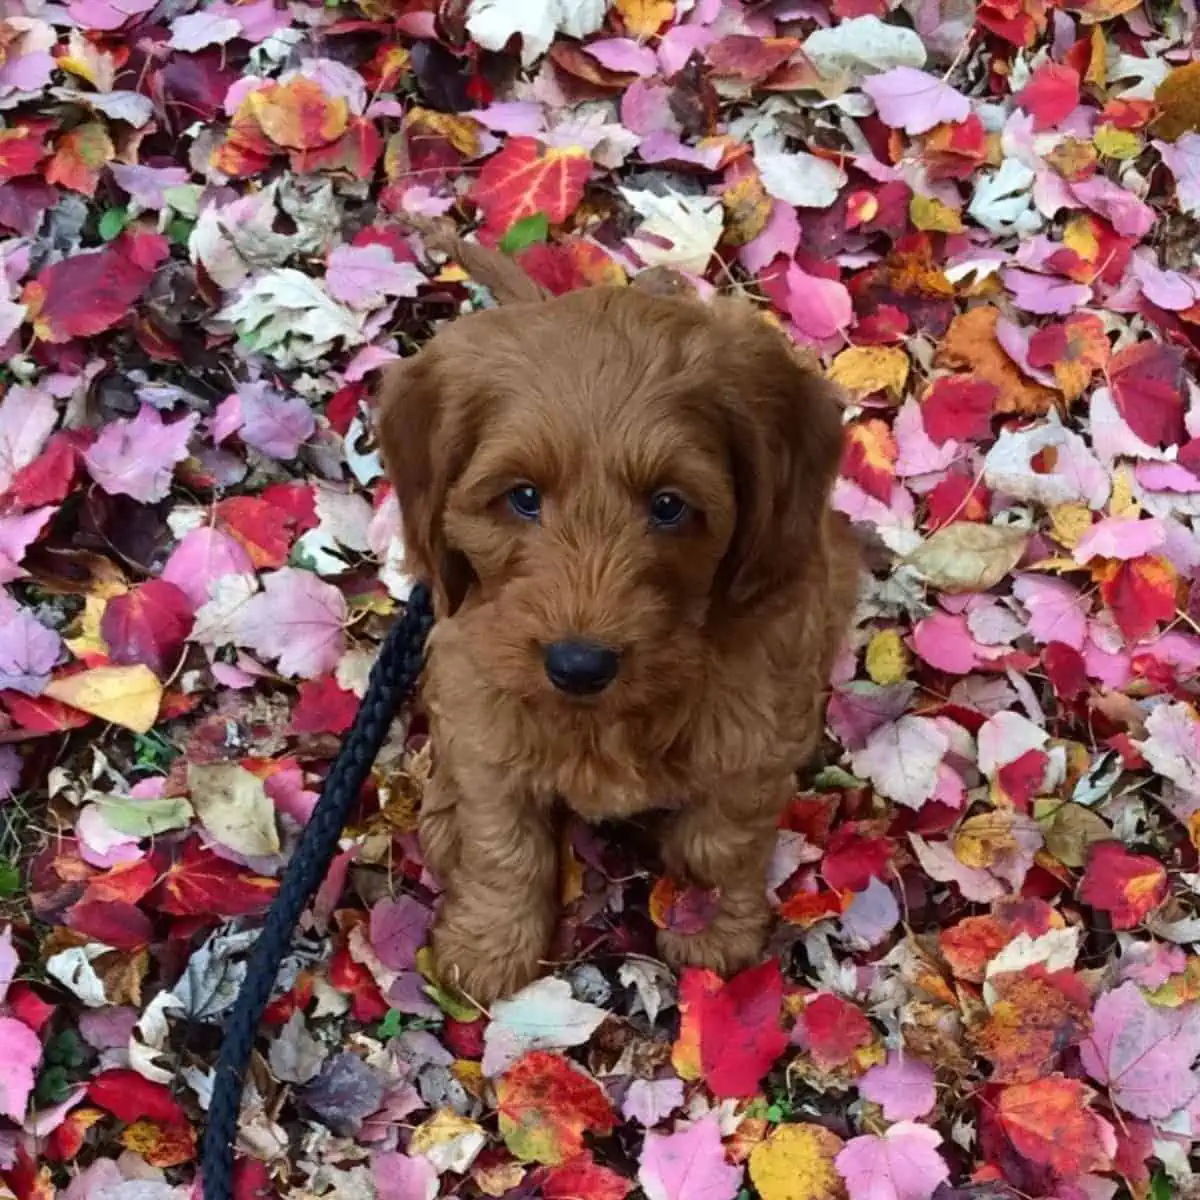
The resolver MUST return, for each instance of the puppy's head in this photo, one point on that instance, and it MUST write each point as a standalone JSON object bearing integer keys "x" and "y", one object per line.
{"x": 605, "y": 482}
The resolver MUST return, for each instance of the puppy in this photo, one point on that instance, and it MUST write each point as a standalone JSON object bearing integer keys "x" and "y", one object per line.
{"x": 621, "y": 503}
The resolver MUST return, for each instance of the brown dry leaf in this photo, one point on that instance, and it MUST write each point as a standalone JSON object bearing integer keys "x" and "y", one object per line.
{"x": 1070, "y": 831}
{"x": 970, "y": 344}
{"x": 968, "y": 557}
{"x": 126, "y": 696}
{"x": 867, "y": 369}
{"x": 747, "y": 207}
{"x": 1178, "y": 98}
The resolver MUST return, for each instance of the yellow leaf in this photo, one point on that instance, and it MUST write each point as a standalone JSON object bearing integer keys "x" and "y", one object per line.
{"x": 747, "y": 207}
{"x": 867, "y": 369}
{"x": 1079, "y": 235}
{"x": 931, "y": 215}
{"x": 1122, "y": 501}
{"x": 126, "y": 696}
{"x": 644, "y": 18}
{"x": 1069, "y": 522}
{"x": 87, "y": 638}
{"x": 887, "y": 658}
{"x": 233, "y": 805}
{"x": 966, "y": 557}
{"x": 797, "y": 1163}
{"x": 1097, "y": 71}
{"x": 1117, "y": 143}
{"x": 449, "y": 1141}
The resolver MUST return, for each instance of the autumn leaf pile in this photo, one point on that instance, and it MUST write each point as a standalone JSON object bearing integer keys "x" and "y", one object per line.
{"x": 982, "y": 215}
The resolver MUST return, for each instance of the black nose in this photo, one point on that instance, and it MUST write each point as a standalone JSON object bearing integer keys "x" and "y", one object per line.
{"x": 580, "y": 668}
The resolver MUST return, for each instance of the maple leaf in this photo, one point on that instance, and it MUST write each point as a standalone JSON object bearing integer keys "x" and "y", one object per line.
{"x": 1146, "y": 381}
{"x": 525, "y": 178}
{"x": 869, "y": 458}
{"x": 903, "y": 1164}
{"x": 22, "y": 1053}
{"x": 1034, "y": 1018}
{"x": 730, "y": 1034}
{"x": 298, "y": 114}
{"x": 1050, "y": 1122}
{"x": 147, "y": 625}
{"x": 1126, "y": 886}
{"x": 583, "y": 1176}
{"x": 1144, "y": 1054}
{"x": 131, "y": 1096}
{"x": 198, "y": 883}
{"x": 88, "y": 293}
{"x": 833, "y": 1030}
{"x": 296, "y": 618}
{"x": 688, "y": 1165}
{"x": 796, "y": 1162}
{"x": 546, "y": 1104}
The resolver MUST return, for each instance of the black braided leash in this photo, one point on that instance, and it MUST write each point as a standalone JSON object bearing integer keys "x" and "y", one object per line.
{"x": 393, "y": 679}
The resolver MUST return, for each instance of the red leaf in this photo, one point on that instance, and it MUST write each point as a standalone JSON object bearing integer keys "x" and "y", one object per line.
{"x": 48, "y": 479}
{"x": 264, "y": 530}
{"x": 959, "y": 407}
{"x": 40, "y": 714}
{"x": 116, "y": 923}
{"x": 21, "y": 149}
{"x": 736, "y": 1025}
{"x": 1146, "y": 380}
{"x": 148, "y": 625}
{"x": 1126, "y": 886}
{"x": 527, "y": 178}
{"x": 130, "y": 882}
{"x": 130, "y": 1096}
{"x": 1140, "y": 592}
{"x": 88, "y": 293}
{"x": 869, "y": 458}
{"x": 1051, "y": 94}
{"x": 28, "y": 1007}
{"x": 749, "y": 58}
{"x": 582, "y": 1178}
{"x": 1066, "y": 670}
{"x": 323, "y": 707}
{"x": 834, "y": 1029}
{"x": 199, "y": 883}
{"x": 851, "y": 860}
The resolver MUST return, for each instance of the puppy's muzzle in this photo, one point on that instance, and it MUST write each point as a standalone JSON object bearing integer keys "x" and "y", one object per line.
{"x": 581, "y": 668}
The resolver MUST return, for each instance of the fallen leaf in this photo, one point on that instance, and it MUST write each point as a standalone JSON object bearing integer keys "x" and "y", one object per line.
{"x": 902, "y": 1164}
{"x": 796, "y": 1162}
{"x": 969, "y": 557}
{"x": 1050, "y": 1122}
{"x": 233, "y": 806}
{"x": 125, "y": 696}
{"x": 688, "y": 1165}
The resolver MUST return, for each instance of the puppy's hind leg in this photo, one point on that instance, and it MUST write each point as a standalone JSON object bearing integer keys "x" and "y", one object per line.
{"x": 500, "y": 907}
{"x": 437, "y": 825}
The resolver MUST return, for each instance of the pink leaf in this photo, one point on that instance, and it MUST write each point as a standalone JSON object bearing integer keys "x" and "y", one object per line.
{"x": 16, "y": 535}
{"x": 821, "y": 308}
{"x": 204, "y": 556}
{"x": 902, "y": 1087}
{"x": 1119, "y": 537}
{"x": 1143, "y": 1053}
{"x": 365, "y": 276}
{"x": 21, "y": 1052}
{"x": 649, "y": 1101}
{"x": 297, "y": 619}
{"x": 28, "y": 650}
{"x": 1127, "y": 214}
{"x": 398, "y": 931}
{"x": 107, "y": 15}
{"x": 402, "y": 1177}
{"x": 689, "y": 1165}
{"x": 138, "y": 457}
{"x": 902, "y": 759}
{"x": 274, "y": 425}
{"x": 903, "y": 1164}
{"x": 1057, "y": 612}
{"x": 911, "y": 100}
{"x": 9, "y": 962}
{"x": 26, "y": 419}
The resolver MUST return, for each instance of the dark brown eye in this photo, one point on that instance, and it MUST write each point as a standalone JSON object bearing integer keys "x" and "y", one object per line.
{"x": 668, "y": 509}
{"x": 526, "y": 501}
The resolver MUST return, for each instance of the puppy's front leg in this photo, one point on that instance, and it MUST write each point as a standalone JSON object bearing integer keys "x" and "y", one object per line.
{"x": 724, "y": 842}
{"x": 499, "y": 910}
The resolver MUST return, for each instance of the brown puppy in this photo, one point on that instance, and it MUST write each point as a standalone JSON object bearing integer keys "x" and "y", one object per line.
{"x": 621, "y": 502}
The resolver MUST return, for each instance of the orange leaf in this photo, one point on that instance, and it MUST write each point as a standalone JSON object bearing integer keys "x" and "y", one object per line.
{"x": 971, "y": 944}
{"x": 1034, "y": 1019}
{"x": 161, "y": 1145}
{"x": 546, "y": 1104}
{"x": 21, "y": 149}
{"x": 298, "y": 114}
{"x": 970, "y": 344}
{"x": 1126, "y": 886}
{"x": 644, "y": 18}
{"x": 1075, "y": 350}
{"x": 1049, "y": 1122}
{"x": 527, "y": 178}
{"x": 79, "y": 157}
{"x": 1140, "y": 593}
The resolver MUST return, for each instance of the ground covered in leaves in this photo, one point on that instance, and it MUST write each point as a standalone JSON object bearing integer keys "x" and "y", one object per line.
{"x": 981, "y": 214}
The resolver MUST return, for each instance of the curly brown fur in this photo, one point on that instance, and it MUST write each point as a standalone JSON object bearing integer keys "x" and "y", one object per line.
{"x": 726, "y": 627}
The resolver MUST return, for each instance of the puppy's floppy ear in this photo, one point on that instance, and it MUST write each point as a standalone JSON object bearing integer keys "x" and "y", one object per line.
{"x": 425, "y": 440}
{"x": 785, "y": 442}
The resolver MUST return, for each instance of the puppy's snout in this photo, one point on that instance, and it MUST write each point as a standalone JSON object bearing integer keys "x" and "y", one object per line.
{"x": 581, "y": 668}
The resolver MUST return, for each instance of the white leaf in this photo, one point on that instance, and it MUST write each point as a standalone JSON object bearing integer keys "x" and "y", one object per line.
{"x": 864, "y": 44}
{"x": 676, "y": 231}
{"x": 542, "y": 1016}
{"x": 800, "y": 179}
{"x": 492, "y": 22}
{"x": 902, "y": 760}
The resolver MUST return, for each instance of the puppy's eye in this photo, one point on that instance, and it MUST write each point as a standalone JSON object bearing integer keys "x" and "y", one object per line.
{"x": 526, "y": 501}
{"x": 668, "y": 509}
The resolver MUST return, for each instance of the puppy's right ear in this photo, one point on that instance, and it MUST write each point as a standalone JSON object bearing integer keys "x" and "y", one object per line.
{"x": 424, "y": 443}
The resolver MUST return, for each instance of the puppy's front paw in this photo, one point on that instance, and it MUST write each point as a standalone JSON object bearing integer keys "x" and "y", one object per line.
{"x": 489, "y": 962}
{"x": 727, "y": 946}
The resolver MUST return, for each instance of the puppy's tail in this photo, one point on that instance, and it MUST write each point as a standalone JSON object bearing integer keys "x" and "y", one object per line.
{"x": 503, "y": 277}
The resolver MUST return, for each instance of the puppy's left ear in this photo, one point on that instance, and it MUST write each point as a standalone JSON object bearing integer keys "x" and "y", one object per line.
{"x": 785, "y": 442}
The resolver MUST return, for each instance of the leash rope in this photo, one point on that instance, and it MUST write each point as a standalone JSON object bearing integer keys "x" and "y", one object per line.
{"x": 393, "y": 678}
